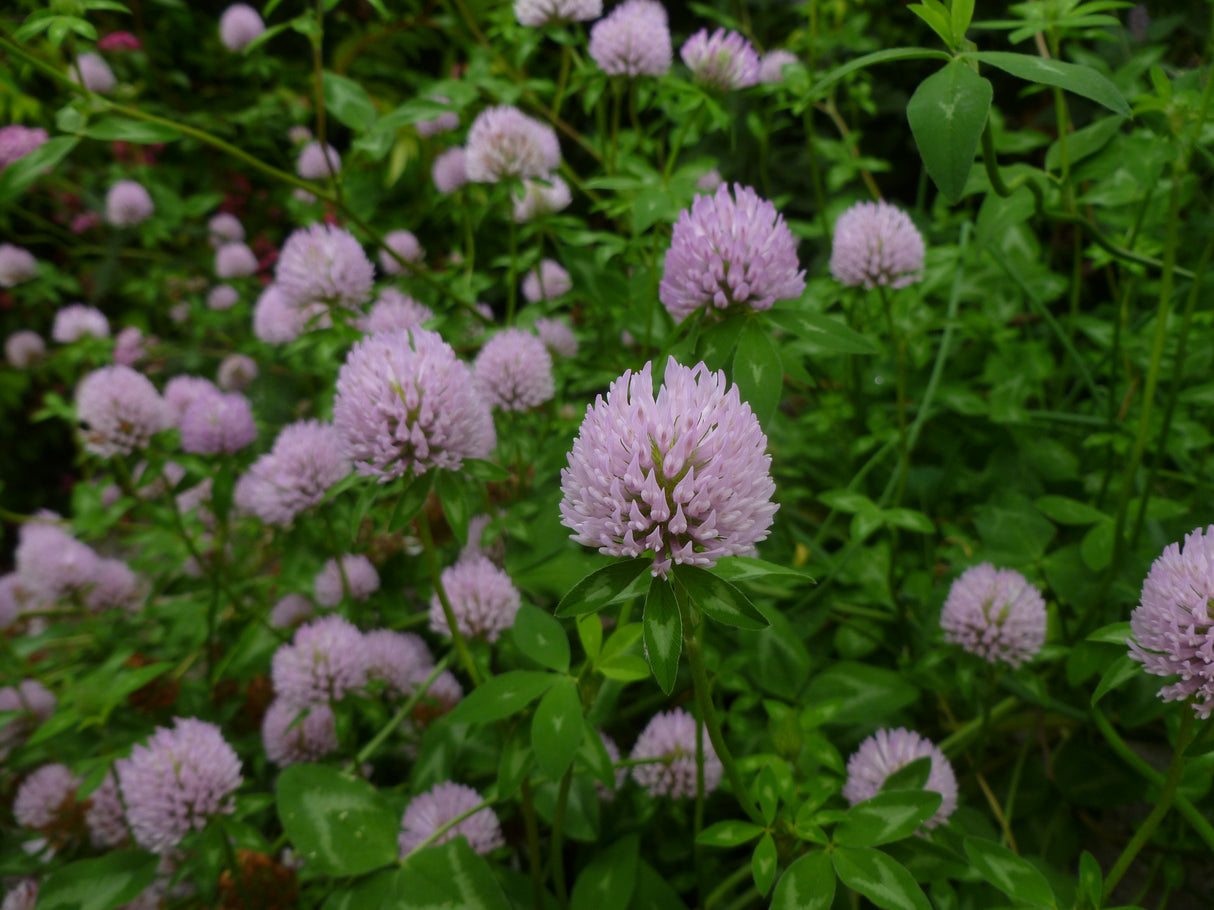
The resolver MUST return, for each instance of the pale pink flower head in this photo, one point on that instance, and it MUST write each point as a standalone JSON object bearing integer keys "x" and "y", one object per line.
{"x": 400, "y": 659}
{"x": 395, "y": 310}
{"x": 304, "y": 463}
{"x": 23, "y": 895}
{"x": 429, "y": 811}
{"x": 225, "y": 228}
{"x": 405, "y": 403}
{"x": 771, "y": 66}
{"x": 275, "y": 321}
{"x": 450, "y": 170}
{"x": 325, "y": 660}
{"x": 106, "y": 816}
{"x": 239, "y": 26}
{"x": 218, "y": 423}
{"x": 182, "y": 391}
{"x": 604, "y": 792}
{"x": 722, "y": 60}
{"x": 316, "y": 161}
{"x": 127, "y": 204}
{"x": 235, "y": 260}
{"x": 222, "y": 297}
{"x": 482, "y": 596}
{"x": 46, "y": 801}
{"x": 120, "y": 409}
{"x": 683, "y": 475}
{"x": 182, "y": 776}
{"x": 17, "y": 141}
{"x": 729, "y": 250}
{"x": 51, "y": 563}
{"x": 557, "y": 337}
{"x": 236, "y": 371}
{"x": 504, "y": 142}
{"x": 885, "y": 752}
{"x": 115, "y": 586}
{"x": 291, "y": 611}
{"x": 324, "y": 264}
{"x": 670, "y": 737}
{"x": 405, "y": 245}
{"x": 17, "y": 264}
{"x": 876, "y": 243}
{"x": 547, "y": 281}
{"x": 299, "y": 134}
{"x": 119, "y": 41}
{"x": 32, "y": 701}
{"x": 551, "y": 12}
{"x": 360, "y": 576}
{"x": 24, "y": 349}
{"x": 1172, "y": 629}
{"x": 292, "y": 734}
{"x": 77, "y": 320}
{"x": 128, "y": 346}
{"x": 444, "y": 122}
{"x": 709, "y": 181}
{"x": 541, "y": 196}
{"x": 633, "y": 40}
{"x": 93, "y": 73}
{"x": 995, "y": 614}
{"x": 514, "y": 371}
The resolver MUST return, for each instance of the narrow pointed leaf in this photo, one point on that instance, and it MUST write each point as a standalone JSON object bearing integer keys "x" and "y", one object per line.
{"x": 663, "y": 633}
{"x": 718, "y": 599}
{"x": 947, "y": 114}
{"x": 599, "y": 588}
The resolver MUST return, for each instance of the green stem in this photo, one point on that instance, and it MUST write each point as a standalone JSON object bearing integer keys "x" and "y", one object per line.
{"x": 616, "y": 105}
{"x": 406, "y": 710}
{"x": 558, "y": 836}
{"x": 457, "y": 637}
{"x": 562, "y": 80}
{"x": 899, "y": 339}
{"x": 533, "y": 843}
{"x": 512, "y": 280}
{"x": 1162, "y": 806}
{"x": 961, "y": 737}
{"x": 448, "y": 825}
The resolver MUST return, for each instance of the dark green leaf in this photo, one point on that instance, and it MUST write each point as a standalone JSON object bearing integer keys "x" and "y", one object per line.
{"x": 717, "y": 598}
{"x": 590, "y": 634}
{"x": 624, "y": 668}
{"x": 909, "y": 777}
{"x": 24, "y": 171}
{"x": 1082, "y": 80}
{"x": 339, "y": 825}
{"x": 757, "y": 371}
{"x": 453, "y": 490}
{"x": 484, "y": 470}
{"x": 729, "y": 834}
{"x": 541, "y": 638}
{"x": 515, "y": 760}
{"x": 880, "y": 878}
{"x": 1096, "y": 548}
{"x": 500, "y": 696}
{"x": 764, "y": 863}
{"x": 449, "y": 875}
{"x": 594, "y": 754}
{"x": 819, "y": 88}
{"x": 1068, "y": 511}
{"x": 947, "y": 114}
{"x": 599, "y": 588}
{"x": 886, "y": 817}
{"x": 411, "y": 501}
{"x": 1014, "y": 876}
{"x": 823, "y": 332}
{"x": 118, "y": 128}
{"x": 348, "y": 102}
{"x": 808, "y": 884}
{"x": 852, "y": 693}
{"x": 556, "y": 729}
{"x": 1112, "y": 634}
{"x": 1117, "y": 675}
{"x": 98, "y": 884}
{"x": 663, "y": 633}
{"x": 608, "y": 880}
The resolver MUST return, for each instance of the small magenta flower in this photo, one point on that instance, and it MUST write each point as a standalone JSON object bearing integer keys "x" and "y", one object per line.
{"x": 292, "y": 735}
{"x": 722, "y": 60}
{"x": 550, "y": 12}
{"x": 304, "y": 463}
{"x": 46, "y": 802}
{"x": 1172, "y": 627}
{"x": 24, "y": 349}
{"x": 325, "y": 660}
{"x": 394, "y": 310}
{"x": 324, "y": 264}
{"x": 633, "y": 40}
{"x": 291, "y": 611}
{"x": 429, "y": 811}
{"x": 995, "y": 614}
{"x": 771, "y": 66}
{"x": 729, "y": 250}
{"x": 514, "y": 371}
{"x": 683, "y": 475}
{"x": 404, "y": 244}
{"x": 450, "y": 170}
{"x": 119, "y": 41}
{"x": 127, "y": 204}
{"x": 218, "y": 423}
{"x": 546, "y": 282}
{"x": 885, "y": 752}
{"x": 504, "y": 142}
{"x": 360, "y": 576}
{"x": 482, "y": 596}
{"x": 541, "y": 197}
{"x": 239, "y": 26}
{"x": 17, "y": 141}
{"x": 93, "y": 73}
{"x": 76, "y": 320}
{"x": 235, "y": 260}
{"x": 444, "y": 122}
{"x": 557, "y": 337}
{"x": 876, "y": 243}
{"x": 222, "y": 297}
{"x": 121, "y": 411}
{"x": 405, "y": 403}
{"x": 183, "y": 776}
{"x": 17, "y": 264}
{"x": 670, "y": 738}
{"x": 225, "y": 228}
{"x": 316, "y": 161}
{"x": 236, "y": 371}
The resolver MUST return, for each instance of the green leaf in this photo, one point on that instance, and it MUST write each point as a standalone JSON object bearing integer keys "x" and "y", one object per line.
{"x": 373, "y": 893}
{"x": 886, "y": 817}
{"x": 348, "y": 102}
{"x": 541, "y": 638}
{"x": 808, "y": 884}
{"x": 757, "y": 371}
{"x": 947, "y": 114}
{"x": 1116, "y": 676}
{"x": 820, "y": 88}
{"x": 1091, "y": 879}
{"x": 729, "y": 834}
{"x": 624, "y": 668}
{"x": 663, "y": 633}
{"x": 764, "y": 863}
{"x": 1014, "y": 876}
{"x": 1081, "y": 80}
{"x": 912, "y": 776}
{"x": 1112, "y": 634}
{"x": 411, "y": 501}
{"x": 139, "y": 131}
{"x": 880, "y": 878}
{"x": 556, "y": 729}
{"x": 594, "y": 754}
{"x": 1068, "y": 511}
{"x": 515, "y": 761}
{"x": 599, "y": 588}
{"x": 500, "y": 696}
{"x": 717, "y": 598}
{"x": 909, "y": 520}
{"x": 766, "y": 792}
{"x": 484, "y": 470}
{"x": 852, "y": 693}
{"x": 449, "y": 875}
{"x": 824, "y": 332}
{"x": 98, "y": 884}
{"x": 608, "y": 880}
{"x": 962, "y": 15}
{"x": 24, "y": 171}
{"x": 1096, "y": 548}
{"x": 937, "y": 17}
{"x": 453, "y": 490}
{"x": 746, "y": 568}
{"x": 590, "y": 634}
{"x": 339, "y": 825}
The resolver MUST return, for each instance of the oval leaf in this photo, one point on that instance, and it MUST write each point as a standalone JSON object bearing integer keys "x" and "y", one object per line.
{"x": 947, "y": 114}
{"x": 663, "y": 633}
{"x": 348, "y": 102}
{"x": 501, "y": 696}
{"x": 718, "y": 599}
{"x": 757, "y": 371}
{"x": 1073, "y": 77}
{"x": 764, "y": 863}
{"x": 1014, "y": 876}
{"x": 541, "y": 638}
{"x": 608, "y": 880}
{"x": 98, "y": 884}
{"x": 450, "y": 875}
{"x": 886, "y": 817}
{"x": 729, "y": 834}
{"x": 808, "y": 884}
{"x": 556, "y": 729}
{"x": 599, "y": 588}
{"x": 880, "y": 878}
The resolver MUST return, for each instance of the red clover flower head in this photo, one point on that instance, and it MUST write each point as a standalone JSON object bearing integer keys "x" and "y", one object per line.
{"x": 885, "y": 752}
{"x": 239, "y": 26}
{"x": 316, "y": 161}
{"x": 722, "y": 60}
{"x": 482, "y": 596}
{"x": 17, "y": 141}
{"x": 304, "y": 463}
{"x": 550, "y": 12}
{"x": 127, "y": 204}
{"x": 405, "y": 403}
{"x": 324, "y": 264}
{"x": 51, "y": 563}
{"x": 181, "y": 777}
{"x": 325, "y": 660}
{"x": 557, "y": 337}
{"x": 275, "y": 320}
{"x": 24, "y": 349}
{"x": 1172, "y": 628}
{"x": 360, "y": 576}
{"x": 450, "y": 170}
{"x": 225, "y": 228}
{"x": 447, "y": 120}
{"x": 404, "y": 244}
{"x": 235, "y": 373}
{"x": 17, "y": 264}
{"x": 235, "y": 260}
{"x": 514, "y": 371}
{"x": 771, "y": 66}
{"x": 121, "y": 411}
{"x": 504, "y": 142}
{"x": 76, "y": 320}
{"x": 128, "y": 346}
{"x": 182, "y": 391}
{"x": 394, "y": 310}
{"x": 291, "y": 611}
{"x": 106, "y": 817}
{"x": 995, "y": 614}
{"x": 429, "y": 811}
{"x": 32, "y": 701}
{"x": 400, "y": 659}
{"x": 671, "y": 737}
{"x": 633, "y": 40}
{"x": 729, "y": 250}
{"x": 546, "y": 282}
{"x": 222, "y": 297}
{"x": 46, "y": 801}
{"x": 289, "y": 742}
{"x": 683, "y": 475}
{"x": 876, "y": 243}
{"x": 23, "y": 895}
{"x": 218, "y": 422}
{"x": 541, "y": 196}
{"x": 93, "y": 73}
{"x": 115, "y": 586}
